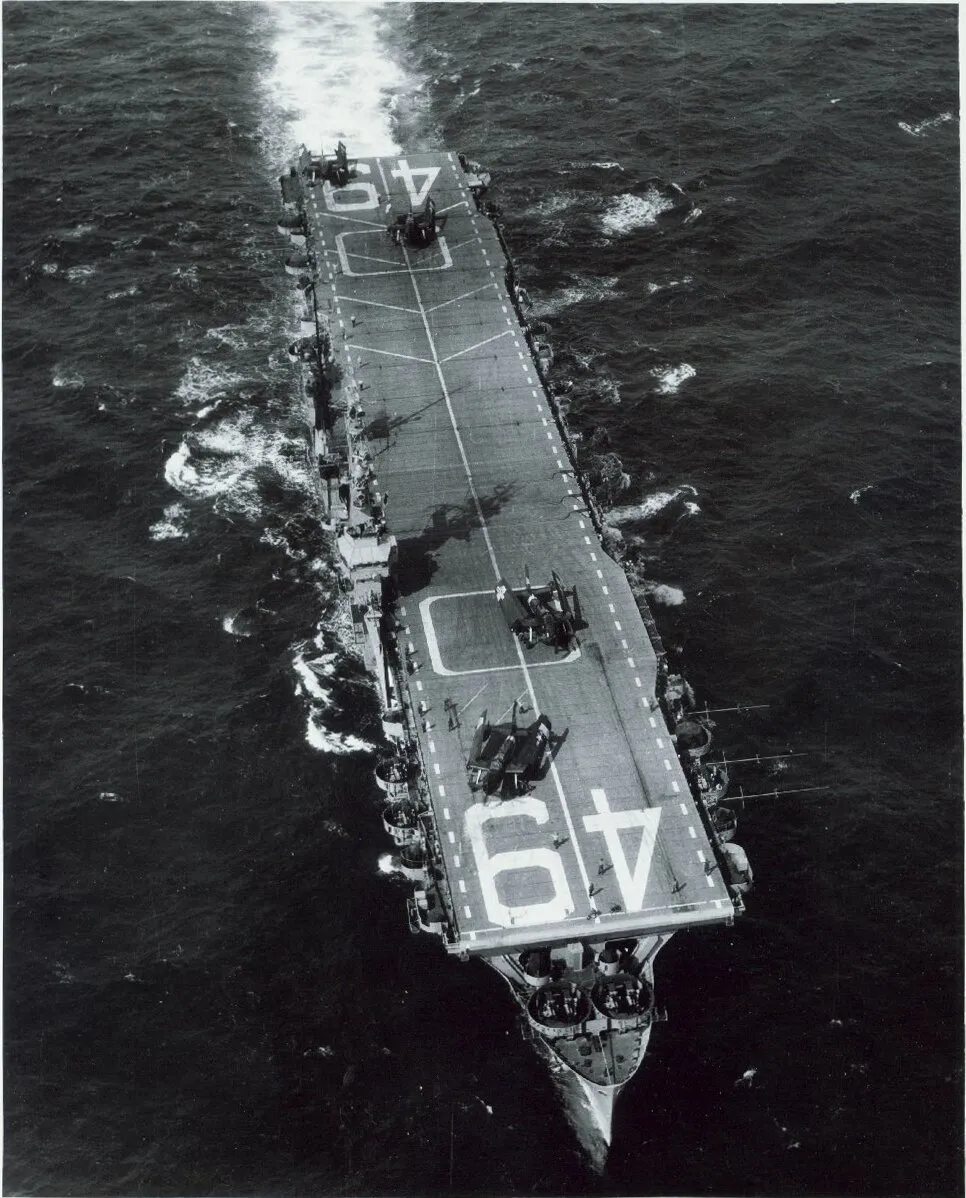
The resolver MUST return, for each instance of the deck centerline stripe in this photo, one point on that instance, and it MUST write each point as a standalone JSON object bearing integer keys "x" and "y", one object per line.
{"x": 484, "y": 529}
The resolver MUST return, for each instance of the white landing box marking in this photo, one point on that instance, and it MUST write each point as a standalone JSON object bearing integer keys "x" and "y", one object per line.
{"x": 377, "y": 241}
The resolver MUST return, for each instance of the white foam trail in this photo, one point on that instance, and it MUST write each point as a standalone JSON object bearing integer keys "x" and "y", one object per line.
{"x": 332, "y": 78}
{"x": 857, "y": 494}
{"x": 310, "y": 683}
{"x": 670, "y": 378}
{"x": 652, "y": 288}
{"x": 80, "y": 274}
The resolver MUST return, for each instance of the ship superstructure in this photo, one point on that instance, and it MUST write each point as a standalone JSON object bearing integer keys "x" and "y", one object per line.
{"x": 547, "y": 792}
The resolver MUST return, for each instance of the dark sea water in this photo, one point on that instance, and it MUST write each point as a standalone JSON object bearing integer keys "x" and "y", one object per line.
{"x": 209, "y": 989}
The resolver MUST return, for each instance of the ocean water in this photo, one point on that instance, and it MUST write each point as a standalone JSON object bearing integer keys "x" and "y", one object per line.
{"x": 739, "y": 224}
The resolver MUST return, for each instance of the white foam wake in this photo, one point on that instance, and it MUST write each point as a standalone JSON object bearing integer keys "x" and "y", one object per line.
{"x": 331, "y": 78}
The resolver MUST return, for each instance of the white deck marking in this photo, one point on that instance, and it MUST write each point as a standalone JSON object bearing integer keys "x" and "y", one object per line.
{"x": 630, "y": 662}
{"x": 442, "y": 792}
{"x": 600, "y": 573}
{"x": 456, "y": 860}
{"x": 419, "y": 685}
{"x": 651, "y": 720}
{"x": 436, "y": 768}
{"x": 691, "y": 832}
{"x": 462, "y": 886}
{"x": 684, "y": 808}
{"x": 484, "y": 529}
{"x": 617, "y": 623}
{"x": 709, "y": 878}
{"x": 545, "y": 422}
{"x": 389, "y": 353}
{"x": 432, "y": 746}
{"x": 451, "y": 836}
{"x": 667, "y": 765}
{"x": 490, "y": 865}
{"x": 701, "y": 856}
{"x": 623, "y": 642}
{"x": 637, "y": 682}
{"x": 677, "y": 790}
{"x": 445, "y": 813}
{"x": 610, "y": 608}
{"x": 459, "y": 353}
{"x": 469, "y": 913}
{"x": 593, "y": 557}
{"x": 354, "y": 299}
{"x": 633, "y": 883}
{"x": 605, "y": 590}
{"x": 455, "y": 300}
{"x": 587, "y": 541}
{"x": 659, "y": 742}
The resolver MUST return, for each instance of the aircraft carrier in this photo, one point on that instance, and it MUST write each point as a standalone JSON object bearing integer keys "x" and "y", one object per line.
{"x": 547, "y": 790}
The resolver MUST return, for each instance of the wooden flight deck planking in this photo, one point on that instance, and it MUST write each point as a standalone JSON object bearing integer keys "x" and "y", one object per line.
{"x": 478, "y": 486}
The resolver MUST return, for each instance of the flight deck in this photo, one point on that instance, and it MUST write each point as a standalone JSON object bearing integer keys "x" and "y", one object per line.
{"x": 478, "y": 487}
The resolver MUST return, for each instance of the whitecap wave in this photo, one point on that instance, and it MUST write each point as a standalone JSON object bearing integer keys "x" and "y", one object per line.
{"x": 123, "y": 292}
{"x": 171, "y": 525}
{"x": 653, "y": 505}
{"x": 625, "y": 213}
{"x": 597, "y": 288}
{"x": 64, "y": 377}
{"x": 230, "y": 462}
{"x": 654, "y": 288}
{"x": 924, "y": 126}
{"x": 80, "y": 274}
{"x": 326, "y": 741}
{"x": 332, "y": 78}
{"x": 667, "y": 596}
{"x": 670, "y": 378}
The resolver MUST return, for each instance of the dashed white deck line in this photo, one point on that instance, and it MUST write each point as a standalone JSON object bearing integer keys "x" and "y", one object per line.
{"x": 691, "y": 832}
{"x": 667, "y": 765}
{"x": 545, "y": 422}
{"x": 701, "y": 856}
{"x": 617, "y": 623}
{"x": 600, "y": 573}
{"x": 623, "y": 643}
{"x": 659, "y": 742}
{"x": 451, "y": 836}
{"x": 651, "y": 720}
{"x": 612, "y": 609}
{"x": 709, "y": 878}
{"x": 402, "y": 611}
{"x": 436, "y": 768}
{"x": 677, "y": 790}
{"x": 583, "y": 525}
{"x": 536, "y": 396}
{"x": 504, "y": 307}
{"x": 442, "y": 792}
{"x": 605, "y": 590}
{"x": 637, "y": 682}
{"x": 684, "y": 808}
{"x": 456, "y": 860}
{"x": 587, "y": 541}
{"x": 469, "y": 913}
{"x": 445, "y": 813}
{"x": 432, "y": 746}
{"x": 462, "y": 886}
{"x": 419, "y": 685}
{"x": 630, "y": 662}
{"x": 593, "y": 557}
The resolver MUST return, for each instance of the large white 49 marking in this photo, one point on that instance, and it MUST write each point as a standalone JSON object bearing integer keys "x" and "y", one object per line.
{"x": 633, "y": 882}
